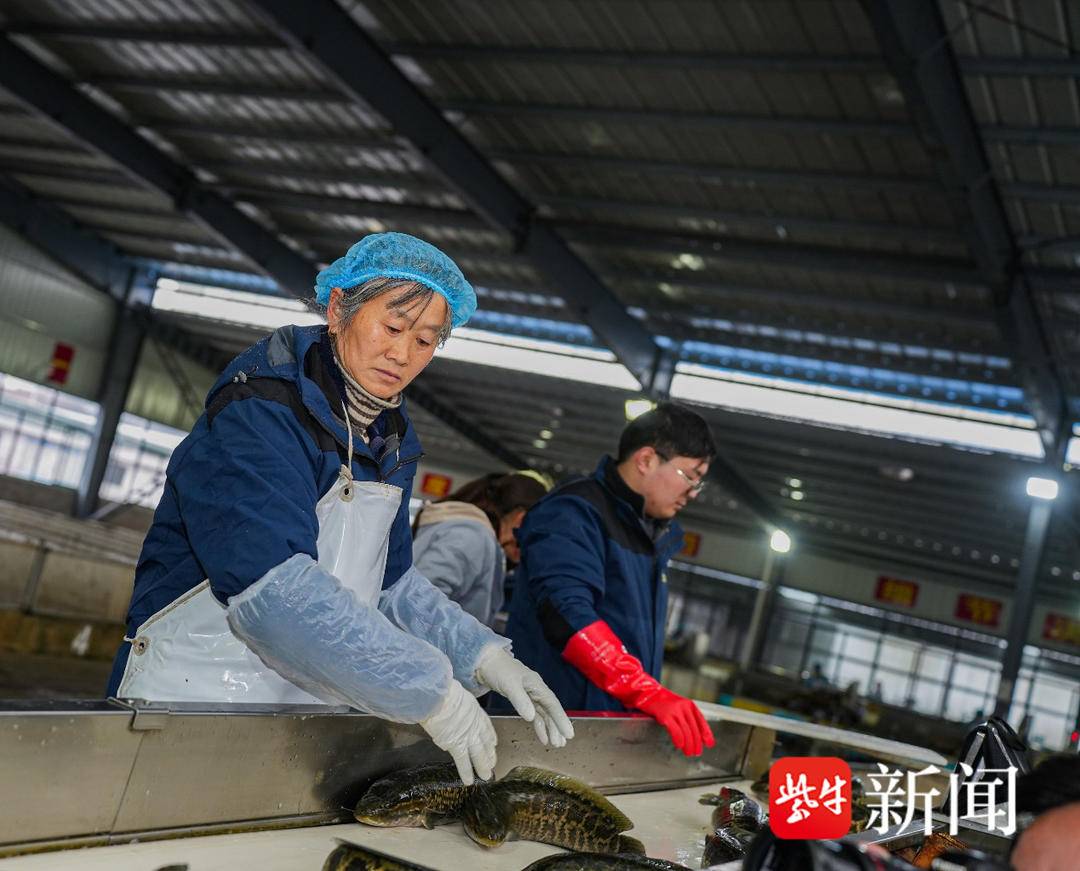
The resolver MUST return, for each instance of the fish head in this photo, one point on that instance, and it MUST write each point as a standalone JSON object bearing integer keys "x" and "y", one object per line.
{"x": 485, "y": 821}
{"x": 386, "y": 804}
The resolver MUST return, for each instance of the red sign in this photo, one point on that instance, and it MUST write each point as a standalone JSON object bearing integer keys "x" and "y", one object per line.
{"x": 61, "y": 362}
{"x": 435, "y": 485}
{"x": 896, "y": 592}
{"x": 976, "y": 609}
{"x": 810, "y": 797}
{"x": 691, "y": 544}
{"x": 1062, "y": 629}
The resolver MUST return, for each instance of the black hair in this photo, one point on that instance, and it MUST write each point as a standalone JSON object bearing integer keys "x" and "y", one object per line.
{"x": 1053, "y": 783}
{"x": 497, "y": 494}
{"x": 671, "y": 430}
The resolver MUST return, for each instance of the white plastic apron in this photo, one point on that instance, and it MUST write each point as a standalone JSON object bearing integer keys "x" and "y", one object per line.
{"x": 187, "y": 652}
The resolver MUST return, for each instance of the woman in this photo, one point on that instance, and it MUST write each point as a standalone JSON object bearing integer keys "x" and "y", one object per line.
{"x": 462, "y": 542}
{"x": 278, "y": 567}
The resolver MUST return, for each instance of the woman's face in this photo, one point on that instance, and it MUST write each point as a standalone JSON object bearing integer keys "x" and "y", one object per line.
{"x": 383, "y": 347}
{"x": 507, "y": 525}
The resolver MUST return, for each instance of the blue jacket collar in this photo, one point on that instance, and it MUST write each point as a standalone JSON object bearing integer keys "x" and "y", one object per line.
{"x": 292, "y": 354}
{"x": 632, "y": 504}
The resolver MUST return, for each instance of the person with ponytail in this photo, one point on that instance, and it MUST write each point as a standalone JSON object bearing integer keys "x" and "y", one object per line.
{"x": 463, "y": 542}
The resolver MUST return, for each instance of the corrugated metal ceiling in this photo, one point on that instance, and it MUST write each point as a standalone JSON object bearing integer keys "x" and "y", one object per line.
{"x": 746, "y": 174}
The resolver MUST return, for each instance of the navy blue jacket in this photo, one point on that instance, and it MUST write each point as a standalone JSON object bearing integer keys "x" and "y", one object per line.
{"x": 241, "y": 489}
{"x": 588, "y": 553}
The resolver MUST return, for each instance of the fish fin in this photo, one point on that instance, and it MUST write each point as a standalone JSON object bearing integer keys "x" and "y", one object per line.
{"x": 435, "y": 818}
{"x": 630, "y": 846}
{"x": 565, "y": 783}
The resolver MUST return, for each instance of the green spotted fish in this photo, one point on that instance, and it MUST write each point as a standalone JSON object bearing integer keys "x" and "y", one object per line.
{"x": 538, "y": 805}
{"x": 427, "y": 796}
{"x": 348, "y": 856}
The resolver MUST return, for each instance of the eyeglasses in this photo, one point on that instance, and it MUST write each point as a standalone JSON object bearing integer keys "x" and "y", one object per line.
{"x": 693, "y": 486}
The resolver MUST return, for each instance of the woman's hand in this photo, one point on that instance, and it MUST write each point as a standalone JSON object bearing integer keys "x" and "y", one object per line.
{"x": 527, "y": 692}
{"x": 462, "y": 729}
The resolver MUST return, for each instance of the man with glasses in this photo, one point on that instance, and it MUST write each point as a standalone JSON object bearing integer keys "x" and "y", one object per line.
{"x": 590, "y": 593}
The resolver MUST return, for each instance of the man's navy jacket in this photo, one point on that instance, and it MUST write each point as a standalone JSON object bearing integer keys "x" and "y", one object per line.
{"x": 588, "y": 553}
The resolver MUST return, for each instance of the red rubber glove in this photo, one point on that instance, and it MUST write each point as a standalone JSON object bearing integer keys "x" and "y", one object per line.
{"x": 597, "y": 653}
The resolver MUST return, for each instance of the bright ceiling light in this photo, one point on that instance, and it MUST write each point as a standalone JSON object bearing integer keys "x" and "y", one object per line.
{"x": 637, "y": 407}
{"x": 538, "y": 357}
{"x": 1042, "y": 488}
{"x": 794, "y": 482}
{"x": 848, "y": 409}
{"x": 798, "y": 495}
{"x": 780, "y": 541}
{"x": 258, "y": 310}
{"x": 694, "y": 262}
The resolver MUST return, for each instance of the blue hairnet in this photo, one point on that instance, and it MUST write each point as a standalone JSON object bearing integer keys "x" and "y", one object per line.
{"x": 398, "y": 255}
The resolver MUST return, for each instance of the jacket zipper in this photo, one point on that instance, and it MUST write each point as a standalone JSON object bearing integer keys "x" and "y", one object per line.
{"x": 401, "y": 463}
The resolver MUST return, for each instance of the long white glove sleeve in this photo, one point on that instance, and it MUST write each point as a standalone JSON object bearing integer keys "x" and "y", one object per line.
{"x": 526, "y": 691}
{"x": 415, "y": 605}
{"x": 305, "y": 625}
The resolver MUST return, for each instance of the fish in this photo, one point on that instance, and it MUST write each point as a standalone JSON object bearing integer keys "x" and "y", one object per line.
{"x": 725, "y": 795}
{"x": 601, "y": 862}
{"x": 347, "y": 856}
{"x": 428, "y": 796}
{"x": 727, "y": 844}
{"x": 744, "y": 812}
{"x": 933, "y": 846}
{"x": 860, "y": 811}
{"x": 736, "y": 820}
{"x": 860, "y": 818}
{"x": 539, "y": 805}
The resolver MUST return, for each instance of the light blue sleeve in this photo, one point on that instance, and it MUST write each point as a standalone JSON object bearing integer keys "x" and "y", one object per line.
{"x": 414, "y": 604}
{"x": 302, "y": 623}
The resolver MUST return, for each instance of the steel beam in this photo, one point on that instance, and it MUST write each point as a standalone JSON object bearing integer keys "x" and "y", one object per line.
{"x": 916, "y": 46}
{"x": 41, "y": 88}
{"x": 670, "y": 60}
{"x": 125, "y": 346}
{"x": 914, "y": 310}
{"x": 677, "y": 60}
{"x": 764, "y": 602}
{"x": 704, "y": 173}
{"x": 936, "y": 270}
{"x": 715, "y": 120}
{"x": 772, "y": 223}
{"x": 95, "y": 260}
{"x": 325, "y": 34}
{"x": 1023, "y": 600}
{"x": 437, "y": 407}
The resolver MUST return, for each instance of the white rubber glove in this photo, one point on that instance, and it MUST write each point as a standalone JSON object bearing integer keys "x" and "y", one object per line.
{"x": 527, "y": 692}
{"x": 461, "y": 728}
